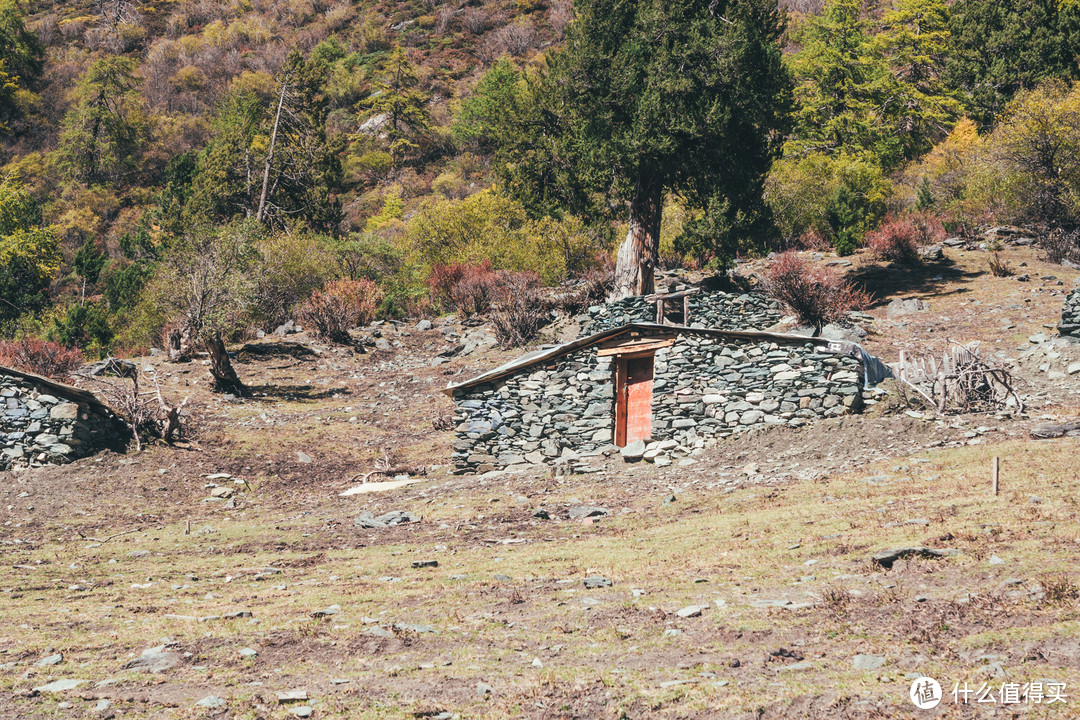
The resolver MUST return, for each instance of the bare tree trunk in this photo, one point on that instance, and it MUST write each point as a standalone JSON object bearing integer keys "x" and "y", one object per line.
{"x": 270, "y": 156}
{"x": 640, "y": 250}
{"x": 225, "y": 378}
{"x": 178, "y": 345}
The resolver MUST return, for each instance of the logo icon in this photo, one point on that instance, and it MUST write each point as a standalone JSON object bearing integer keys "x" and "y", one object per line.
{"x": 926, "y": 693}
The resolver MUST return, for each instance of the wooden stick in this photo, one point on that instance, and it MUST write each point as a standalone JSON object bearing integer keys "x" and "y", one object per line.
{"x": 997, "y": 472}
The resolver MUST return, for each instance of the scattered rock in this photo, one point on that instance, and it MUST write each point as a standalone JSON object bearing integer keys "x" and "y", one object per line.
{"x": 596, "y": 581}
{"x": 634, "y": 451}
{"x": 995, "y": 560}
{"x": 50, "y": 660}
{"x": 248, "y": 652}
{"x": 395, "y": 517}
{"x": 1055, "y": 430}
{"x": 153, "y": 660}
{"x": 57, "y": 686}
{"x": 692, "y": 611}
{"x": 577, "y": 513}
{"x": 301, "y": 711}
{"x": 541, "y": 514}
{"x": 886, "y": 558}
{"x": 483, "y": 690}
{"x": 868, "y": 662}
{"x": 211, "y": 701}
{"x": 907, "y": 306}
{"x": 327, "y": 612}
{"x": 425, "y": 564}
{"x": 290, "y": 696}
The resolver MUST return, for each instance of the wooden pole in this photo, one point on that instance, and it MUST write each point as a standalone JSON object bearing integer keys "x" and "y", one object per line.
{"x": 997, "y": 471}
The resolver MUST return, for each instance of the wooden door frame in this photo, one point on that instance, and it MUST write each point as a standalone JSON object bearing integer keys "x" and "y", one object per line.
{"x": 621, "y": 387}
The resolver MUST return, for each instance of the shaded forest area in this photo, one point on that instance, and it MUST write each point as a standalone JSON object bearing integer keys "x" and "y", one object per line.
{"x": 182, "y": 173}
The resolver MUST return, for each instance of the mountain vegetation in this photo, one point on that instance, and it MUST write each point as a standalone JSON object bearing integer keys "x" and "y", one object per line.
{"x": 200, "y": 171}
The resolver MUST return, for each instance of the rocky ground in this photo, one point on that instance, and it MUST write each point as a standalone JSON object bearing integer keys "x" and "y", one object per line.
{"x": 229, "y": 577}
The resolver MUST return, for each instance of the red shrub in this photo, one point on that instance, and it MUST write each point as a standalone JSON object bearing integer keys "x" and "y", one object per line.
{"x": 40, "y": 357}
{"x": 464, "y": 288}
{"x": 896, "y": 241}
{"x": 815, "y": 294}
{"x": 520, "y": 308}
{"x": 340, "y": 306}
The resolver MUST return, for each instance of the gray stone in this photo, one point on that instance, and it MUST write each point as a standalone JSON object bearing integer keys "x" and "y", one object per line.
{"x": 424, "y": 324}
{"x": 483, "y": 690}
{"x": 596, "y": 581}
{"x": 633, "y": 451}
{"x": 995, "y": 560}
{"x": 301, "y": 711}
{"x": 692, "y": 611}
{"x": 584, "y": 511}
{"x": 248, "y": 652}
{"x": 868, "y": 662}
{"x": 153, "y": 661}
{"x": 303, "y": 457}
{"x": 886, "y": 558}
{"x": 58, "y": 686}
{"x": 211, "y": 701}
{"x": 50, "y": 660}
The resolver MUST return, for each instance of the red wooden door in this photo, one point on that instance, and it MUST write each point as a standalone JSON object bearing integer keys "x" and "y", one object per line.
{"x": 633, "y": 400}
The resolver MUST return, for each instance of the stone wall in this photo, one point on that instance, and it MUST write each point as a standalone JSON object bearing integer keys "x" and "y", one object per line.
{"x": 720, "y": 310}
{"x": 705, "y": 387}
{"x": 1070, "y": 316}
{"x": 41, "y": 424}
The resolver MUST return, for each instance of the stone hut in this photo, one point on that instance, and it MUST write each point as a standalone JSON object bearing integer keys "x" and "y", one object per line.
{"x": 46, "y": 422}
{"x": 656, "y": 391}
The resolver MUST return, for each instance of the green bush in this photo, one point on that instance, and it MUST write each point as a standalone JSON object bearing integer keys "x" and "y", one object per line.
{"x": 840, "y": 198}
{"x": 488, "y": 226}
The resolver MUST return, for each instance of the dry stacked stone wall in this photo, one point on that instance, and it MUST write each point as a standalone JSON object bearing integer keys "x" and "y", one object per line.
{"x": 1070, "y": 316}
{"x": 39, "y": 425}
{"x": 705, "y": 387}
{"x": 719, "y": 310}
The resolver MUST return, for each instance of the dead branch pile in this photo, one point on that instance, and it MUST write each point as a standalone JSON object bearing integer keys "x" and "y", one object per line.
{"x": 145, "y": 412}
{"x": 960, "y": 381}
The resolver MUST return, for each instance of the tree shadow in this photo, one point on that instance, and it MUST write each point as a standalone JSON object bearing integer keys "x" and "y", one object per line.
{"x": 928, "y": 278}
{"x": 274, "y": 393}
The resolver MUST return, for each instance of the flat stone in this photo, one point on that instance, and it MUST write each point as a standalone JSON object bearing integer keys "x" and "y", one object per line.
{"x": 302, "y": 711}
{"x": 633, "y": 451}
{"x": 327, "y": 611}
{"x": 153, "y": 661}
{"x": 50, "y": 660}
{"x": 584, "y": 511}
{"x": 248, "y": 652}
{"x": 692, "y": 611}
{"x": 868, "y": 662}
{"x": 57, "y": 686}
{"x": 211, "y": 701}
{"x": 995, "y": 560}
{"x": 289, "y": 696}
{"x": 596, "y": 581}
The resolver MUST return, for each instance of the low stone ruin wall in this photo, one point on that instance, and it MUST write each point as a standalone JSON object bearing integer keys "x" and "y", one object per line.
{"x": 1070, "y": 316}
{"x": 705, "y": 388}
{"x": 39, "y": 425}
{"x": 720, "y": 310}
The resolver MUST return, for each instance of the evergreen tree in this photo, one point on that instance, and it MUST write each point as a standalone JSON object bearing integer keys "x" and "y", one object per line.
{"x": 914, "y": 42}
{"x": 21, "y": 58}
{"x": 1002, "y": 46}
{"x": 104, "y": 134}
{"x": 656, "y": 97}
{"x": 89, "y": 262}
{"x": 843, "y": 87}
{"x": 270, "y": 158}
{"x": 400, "y": 107}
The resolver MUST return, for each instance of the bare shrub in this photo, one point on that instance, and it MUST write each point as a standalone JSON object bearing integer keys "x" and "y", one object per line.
{"x": 999, "y": 267}
{"x": 341, "y": 305}
{"x": 895, "y": 241}
{"x": 1061, "y": 246}
{"x": 836, "y": 598}
{"x": 513, "y": 39}
{"x": 1058, "y": 589}
{"x": 928, "y": 227}
{"x": 40, "y": 357}
{"x": 476, "y": 20}
{"x": 559, "y": 16}
{"x": 520, "y": 311}
{"x": 816, "y": 295}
